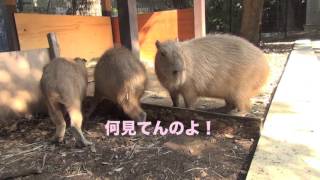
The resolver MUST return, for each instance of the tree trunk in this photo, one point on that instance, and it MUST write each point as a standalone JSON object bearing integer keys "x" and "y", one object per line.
{"x": 251, "y": 19}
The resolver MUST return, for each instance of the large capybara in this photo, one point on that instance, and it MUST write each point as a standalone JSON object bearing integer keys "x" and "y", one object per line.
{"x": 220, "y": 66}
{"x": 64, "y": 84}
{"x": 121, "y": 78}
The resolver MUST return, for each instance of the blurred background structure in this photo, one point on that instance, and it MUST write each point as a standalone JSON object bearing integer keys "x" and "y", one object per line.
{"x": 280, "y": 18}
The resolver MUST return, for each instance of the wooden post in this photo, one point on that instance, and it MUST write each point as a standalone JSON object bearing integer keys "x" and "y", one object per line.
{"x": 8, "y": 8}
{"x": 128, "y": 24}
{"x": 199, "y": 9}
{"x": 54, "y": 48}
{"x": 106, "y": 7}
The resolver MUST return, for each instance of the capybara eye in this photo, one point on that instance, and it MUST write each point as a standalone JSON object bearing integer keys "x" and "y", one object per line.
{"x": 175, "y": 72}
{"x": 162, "y": 54}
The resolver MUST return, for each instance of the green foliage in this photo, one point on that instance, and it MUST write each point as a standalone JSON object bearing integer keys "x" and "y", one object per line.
{"x": 223, "y": 15}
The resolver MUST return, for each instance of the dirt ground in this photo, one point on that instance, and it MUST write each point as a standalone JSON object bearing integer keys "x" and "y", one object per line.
{"x": 25, "y": 150}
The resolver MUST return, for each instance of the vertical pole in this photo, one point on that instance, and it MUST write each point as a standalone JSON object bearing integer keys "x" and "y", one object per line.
{"x": 54, "y": 48}
{"x": 199, "y": 9}
{"x": 128, "y": 24}
{"x": 8, "y": 8}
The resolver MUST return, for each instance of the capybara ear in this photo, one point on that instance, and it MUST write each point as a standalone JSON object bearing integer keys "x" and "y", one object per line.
{"x": 158, "y": 44}
{"x": 80, "y": 59}
{"x": 84, "y": 60}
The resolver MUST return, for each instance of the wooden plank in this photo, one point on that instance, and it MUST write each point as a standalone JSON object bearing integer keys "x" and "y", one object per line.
{"x": 78, "y": 36}
{"x": 128, "y": 24}
{"x": 53, "y": 45}
{"x": 175, "y": 24}
{"x": 244, "y": 126}
{"x": 199, "y": 18}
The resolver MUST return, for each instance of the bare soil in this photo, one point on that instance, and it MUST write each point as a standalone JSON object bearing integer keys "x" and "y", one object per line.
{"x": 25, "y": 150}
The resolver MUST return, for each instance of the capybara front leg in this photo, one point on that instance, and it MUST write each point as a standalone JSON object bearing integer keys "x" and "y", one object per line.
{"x": 175, "y": 98}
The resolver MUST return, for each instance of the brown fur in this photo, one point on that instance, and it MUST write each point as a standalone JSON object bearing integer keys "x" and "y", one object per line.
{"x": 64, "y": 83}
{"x": 220, "y": 66}
{"x": 121, "y": 78}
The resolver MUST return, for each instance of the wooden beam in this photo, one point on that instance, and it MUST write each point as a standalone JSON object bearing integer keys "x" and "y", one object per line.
{"x": 128, "y": 24}
{"x": 54, "y": 48}
{"x": 8, "y": 8}
{"x": 248, "y": 127}
{"x": 199, "y": 18}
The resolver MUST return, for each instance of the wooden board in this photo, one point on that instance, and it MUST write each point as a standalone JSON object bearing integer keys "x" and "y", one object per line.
{"x": 247, "y": 127}
{"x": 163, "y": 25}
{"x": 78, "y": 36}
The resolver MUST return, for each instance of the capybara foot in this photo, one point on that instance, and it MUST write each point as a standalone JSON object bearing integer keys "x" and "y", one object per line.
{"x": 83, "y": 143}
{"x": 236, "y": 112}
{"x": 57, "y": 140}
{"x": 81, "y": 140}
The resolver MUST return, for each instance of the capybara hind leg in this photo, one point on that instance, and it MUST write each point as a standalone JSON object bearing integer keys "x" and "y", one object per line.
{"x": 229, "y": 106}
{"x": 76, "y": 123}
{"x": 243, "y": 107}
{"x": 175, "y": 98}
{"x": 57, "y": 118}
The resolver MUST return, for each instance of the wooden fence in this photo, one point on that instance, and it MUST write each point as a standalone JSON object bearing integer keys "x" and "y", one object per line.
{"x": 78, "y": 36}
{"x": 89, "y": 37}
{"x": 163, "y": 25}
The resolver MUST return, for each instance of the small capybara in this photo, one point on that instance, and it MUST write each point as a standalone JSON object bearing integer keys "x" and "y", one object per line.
{"x": 63, "y": 85}
{"x": 220, "y": 66}
{"x": 121, "y": 78}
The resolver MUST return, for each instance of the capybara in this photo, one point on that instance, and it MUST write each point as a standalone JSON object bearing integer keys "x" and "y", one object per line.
{"x": 220, "y": 66}
{"x": 121, "y": 78}
{"x": 64, "y": 84}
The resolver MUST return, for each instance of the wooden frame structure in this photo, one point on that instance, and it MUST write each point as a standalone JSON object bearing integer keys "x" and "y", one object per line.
{"x": 127, "y": 13}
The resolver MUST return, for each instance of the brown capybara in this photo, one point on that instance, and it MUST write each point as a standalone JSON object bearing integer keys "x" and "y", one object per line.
{"x": 220, "y": 66}
{"x": 121, "y": 78}
{"x": 64, "y": 83}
